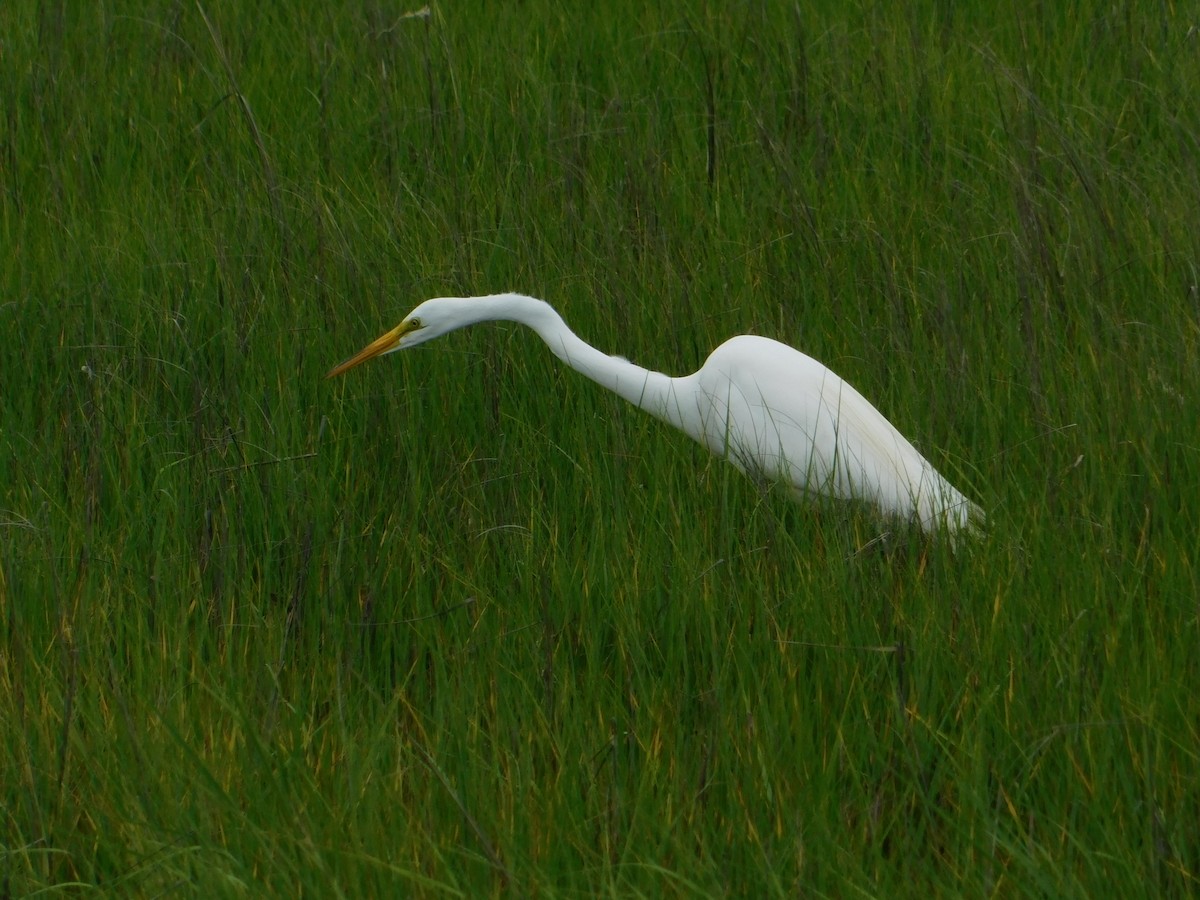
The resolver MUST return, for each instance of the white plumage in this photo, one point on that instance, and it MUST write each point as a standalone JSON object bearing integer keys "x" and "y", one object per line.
{"x": 772, "y": 411}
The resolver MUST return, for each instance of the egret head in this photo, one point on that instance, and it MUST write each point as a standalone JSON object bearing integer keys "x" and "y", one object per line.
{"x": 431, "y": 319}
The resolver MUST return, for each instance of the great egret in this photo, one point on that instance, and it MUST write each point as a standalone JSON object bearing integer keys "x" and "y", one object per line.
{"x": 770, "y": 410}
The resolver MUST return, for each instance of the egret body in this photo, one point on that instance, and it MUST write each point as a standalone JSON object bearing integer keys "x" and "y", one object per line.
{"x": 772, "y": 411}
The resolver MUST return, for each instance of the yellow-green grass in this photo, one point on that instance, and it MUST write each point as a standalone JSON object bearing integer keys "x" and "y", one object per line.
{"x": 459, "y": 622}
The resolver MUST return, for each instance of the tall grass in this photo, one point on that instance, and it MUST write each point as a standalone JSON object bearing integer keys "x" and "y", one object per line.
{"x": 460, "y": 623}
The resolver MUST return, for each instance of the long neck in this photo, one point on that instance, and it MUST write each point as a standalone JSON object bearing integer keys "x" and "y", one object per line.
{"x": 651, "y": 391}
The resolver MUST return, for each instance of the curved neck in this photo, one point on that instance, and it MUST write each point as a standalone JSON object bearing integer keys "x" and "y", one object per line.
{"x": 652, "y": 391}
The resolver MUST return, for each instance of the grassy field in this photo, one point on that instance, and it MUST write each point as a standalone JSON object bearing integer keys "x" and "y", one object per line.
{"x": 460, "y": 623}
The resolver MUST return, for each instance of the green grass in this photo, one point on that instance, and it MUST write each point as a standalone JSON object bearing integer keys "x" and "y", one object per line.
{"x": 459, "y": 623}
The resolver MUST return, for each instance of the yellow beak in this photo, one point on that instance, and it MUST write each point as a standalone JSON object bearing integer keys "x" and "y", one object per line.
{"x": 377, "y": 347}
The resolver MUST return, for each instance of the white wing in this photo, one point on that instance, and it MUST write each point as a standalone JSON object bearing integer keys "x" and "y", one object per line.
{"x": 778, "y": 414}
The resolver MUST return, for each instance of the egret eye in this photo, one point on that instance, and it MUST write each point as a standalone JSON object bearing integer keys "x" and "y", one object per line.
{"x": 414, "y": 324}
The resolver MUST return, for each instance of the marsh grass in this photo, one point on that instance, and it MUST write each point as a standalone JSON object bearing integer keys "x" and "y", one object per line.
{"x": 461, "y": 624}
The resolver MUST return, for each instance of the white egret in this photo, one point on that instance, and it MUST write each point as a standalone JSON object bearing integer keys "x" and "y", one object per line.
{"x": 773, "y": 412}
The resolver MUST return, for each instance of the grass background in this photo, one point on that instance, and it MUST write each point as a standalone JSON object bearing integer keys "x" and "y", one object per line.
{"x": 460, "y": 623}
